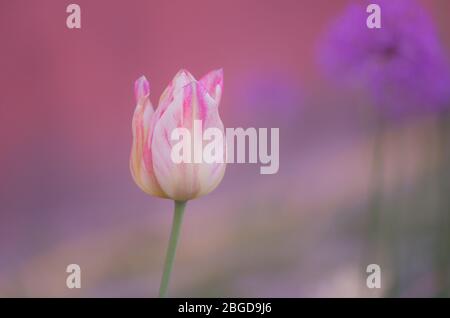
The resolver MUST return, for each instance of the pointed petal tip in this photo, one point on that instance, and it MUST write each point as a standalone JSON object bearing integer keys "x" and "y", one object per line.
{"x": 141, "y": 88}
{"x": 185, "y": 74}
{"x": 218, "y": 74}
{"x": 213, "y": 82}
{"x": 215, "y": 76}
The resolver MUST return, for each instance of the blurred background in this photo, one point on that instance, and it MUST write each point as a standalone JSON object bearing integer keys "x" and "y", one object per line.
{"x": 364, "y": 150}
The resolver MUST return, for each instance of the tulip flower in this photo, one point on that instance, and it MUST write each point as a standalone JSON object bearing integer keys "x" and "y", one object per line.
{"x": 184, "y": 101}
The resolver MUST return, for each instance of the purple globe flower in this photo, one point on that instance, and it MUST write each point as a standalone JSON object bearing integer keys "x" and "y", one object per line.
{"x": 402, "y": 65}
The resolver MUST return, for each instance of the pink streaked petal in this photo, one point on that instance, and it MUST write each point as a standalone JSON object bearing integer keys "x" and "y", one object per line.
{"x": 177, "y": 180}
{"x": 181, "y": 79}
{"x": 185, "y": 180}
{"x": 213, "y": 83}
{"x": 205, "y": 103}
{"x": 141, "y": 88}
{"x": 143, "y": 177}
{"x": 210, "y": 175}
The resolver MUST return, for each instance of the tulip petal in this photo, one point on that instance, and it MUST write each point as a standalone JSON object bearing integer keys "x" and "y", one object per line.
{"x": 141, "y": 88}
{"x": 213, "y": 83}
{"x": 184, "y": 181}
{"x": 143, "y": 174}
{"x": 181, "y": 79}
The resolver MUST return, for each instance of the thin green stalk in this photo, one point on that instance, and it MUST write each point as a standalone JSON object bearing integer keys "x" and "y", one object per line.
{"x": 443, "y": 225}
{"x": 395, "y": 229}
{"x": 373, "y": 221}
{"x": 171, "y": 249}
{"x": 376, "y": 193}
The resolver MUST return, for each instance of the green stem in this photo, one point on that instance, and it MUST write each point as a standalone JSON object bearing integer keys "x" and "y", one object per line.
{"x": 171, "y": 249}
{"x": 376, "y": 197}
{"x": 373, "y": 218}
{"x": 443, "y": 226}
{"x": 396, "y": 223}
{"x": 376, "y": 191}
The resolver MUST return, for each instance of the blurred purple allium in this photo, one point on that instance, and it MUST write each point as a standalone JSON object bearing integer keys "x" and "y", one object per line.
{"x": 402, "y": 65}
